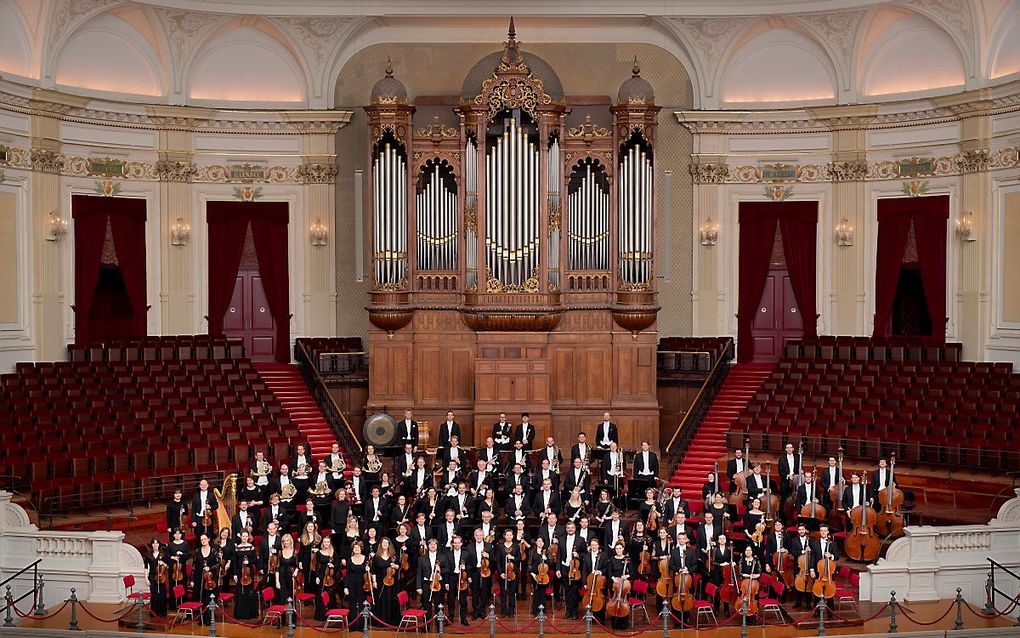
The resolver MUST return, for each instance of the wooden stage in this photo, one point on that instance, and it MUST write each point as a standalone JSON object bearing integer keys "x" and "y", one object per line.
{"x": 524, "y": 624}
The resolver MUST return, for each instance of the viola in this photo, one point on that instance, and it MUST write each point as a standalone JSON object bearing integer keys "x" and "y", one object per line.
{"x": 463, "y": 584}
{"x": 329, "y": 577}
{"x": 645, "y": 562}
{"x": 161, "y": 574}
{"x": 509, "y": 573}
{"x": 178, "y": 570}
{"x": 619, "y": 606}
{"x": 405, "y": 560}
{"x": 862, "y": 543}
{"x": 664, "y": 586}
{"x": 246, "y": 576}
{"x": 596, "y": 587}
{"x": 889, "y": 521}
{"x": 575, "y": 569}
{"x": 759, "y": 532}
{"x": 652, "y": 523}
{"x": 825, "y": 585}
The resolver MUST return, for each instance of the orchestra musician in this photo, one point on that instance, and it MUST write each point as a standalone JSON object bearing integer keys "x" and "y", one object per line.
{"x": 407, "y": 430}
{"x": 735, "y": 466}
{"x": 261, "y": 469}
{"x": 525, "y": 432}
{"x": 578, "y": 477}
{"x": 478, "y": 552}
{"x": 553, "y": 454}
{"x": 302, "y": 465}
{"x": 335, "y": 460}
{"x": 545, "y": 473}
{"x": 203, "y": 504}
{"x": 178, "y": 552}
{"x": 855, "y": 494}
{"x": 501, "y": 433}
{"x": 581, "y": 449}
{"x": 457, "y": 598}
{"x": 507, "y": 567}
{"x": 520, "y": 456}
{"x": 538, "y": 560}
{"x": 176, "y": 511}
{"x": 829, "y": 477}
{"x": 606, "y": 433}
{"x": 789, "y": 469}
{"x": 571, "y": 546}
{"x": 243, "y": 520}
{"x": 158, "y": 571}
{"x": 799, "y": 545}
{"x": 245, "y": 574}
{"x": 205, "y": 575}
{"x": 448, "y": 429}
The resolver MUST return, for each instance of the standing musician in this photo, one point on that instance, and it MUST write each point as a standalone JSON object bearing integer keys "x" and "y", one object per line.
{"x": 581, "y": 449}
{"x": 178, "y": 552}
{"x": 606, "y": 433}
{"x": 453, "y": 453}
{"x": 520, "y": 456}
{"x": 357, "y": 486}
{"x": 525, "y": 432}
{"x": 708, "y": 489}
{"x": 245, "y": 519}
{"x": 335, "y": 462}
{"x": 516, "y": 506}
{"x": 457, "y": 598}
{"x": 255, "y": 495}
{"x": 261, "y": 469}
{"x": 287, "y": 489}
{"x": 480, "y": 479}
{"x": 578, "y": 476}
{"x": 404, "y": 465}
{"x": 570, "y": 549}
{"x": 675, "y": 504}
{"x": 275, "y": 514}
{"x": 400, "y": 513}
{"x": 708, "y": 531}
{"x": 547, "y": 500}
{"x": 776, "y": 543}
{"x": 374, "y": 513}
{"x": 407, "y": 430}
{"x": 479, "y": 555}
{"x": 615, "y": 530}
{"x": 489, "y": 455}
{"x": 205, "y": 575}
{"x": 501, "y": 432}
{"x": 646, "y": 467}
{"x": 246, "y": 603}
{"x": 855, "y": 494}
{"x": 823, "y": 547}
{"x": 354, "y": 579}
{"x": 448, "y": 429}
{"x": 799, "y": 545}
{"x": 540, "y": 561}
{"x": 545, "y": 472}
{"x": 269, "y": 546}
{"x": 613, "y": 467}
{"x": 158, "y": 571}
{"x": 735, "y": 466}
{"x": 828, "y": 478}
{"x": 880, "y": 477}
{"x": 327, "y": 577}
{"x": 553, "y": 454}
{"x": 789, "y": 469}
{"x": 808, "y": 492}
{"x": 757, "y": 482}
{"x": 722, "y": 556}
{"x": 661, "y": 548}
{"x": 508, "y": 558}
{"x": 447, "y": 530}
{"x": 420, "y": 479}
{"x": 203, "y": 506}
{"x": 302, "y": 465}
{"x": 176, "y": 511}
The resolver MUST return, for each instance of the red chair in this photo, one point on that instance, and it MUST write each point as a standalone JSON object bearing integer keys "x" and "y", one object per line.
{"x": 704, "y": 607}
{"x": 185, "y": 611}
{"x": 274, "y": 612}
{"x": 639, "y": 590}
{"x": 410, "y": 618}
{"x": 336, "y": 615}
{"x": 129, "y": 585}
{"x": 772, "y": 604}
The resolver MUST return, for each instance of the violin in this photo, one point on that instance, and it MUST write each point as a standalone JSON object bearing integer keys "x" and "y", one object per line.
{"x": 825, "y": 586}
{"x": 329, "y": 577}
{"x": 405, "y": 560}
{"x": 485, "y": 570}
{"x": 889, "y": 521}
{"x": 619, "y": 606}
{"x": 274, "y": 562}
{"x": 509, "y": 574}
{"x": 575, "y": 568}
{"x": 463, "y": 584}
{"x": 178, "y": 570}
{"x": 208, "y": 581}
{"x": 759, "y": 532}
{"x": 554, "y": 549}
{"x": 596, "y": 587}
{"x": 749, "y": 587}
{"x": 207, "y": 517}
{"x": 645, "y": 563}
{"x": 367, "y": 580}
{"x": 161, "y": 574}
{"x": 652, "y": 523}
{"x": 437, "y": 580}
{"x": 246, "y": 576}
{"x": 861, "y": 542}
{"x": 542, "y": 575}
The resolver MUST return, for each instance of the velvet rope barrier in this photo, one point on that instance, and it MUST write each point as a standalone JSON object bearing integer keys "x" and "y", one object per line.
{"x": 322, "y": 630}
{"x": 907, "y": 614}
{"x": 624, "y": 634}
{"x": 998, "y": 614}
{"x": 863, "y": 620}
{"x": 227, "y": 616}
{"x": 130, "y": 610}
{"x": 520, "y": 630}
{"x": 46, "y": 617}
{"x": 571, "y": 630}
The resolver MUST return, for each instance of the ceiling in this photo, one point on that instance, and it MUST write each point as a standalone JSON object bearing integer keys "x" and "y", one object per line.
{"x": 738, "y": 54}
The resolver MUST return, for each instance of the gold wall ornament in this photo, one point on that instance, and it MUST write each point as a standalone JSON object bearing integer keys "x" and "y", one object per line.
{"x": 641, "y": 286}
{"x": 471, "y": 217}
{"x": 506, "y": 94}
{"x": 915, "y": 188}
{"x": 588, "y": 129}
{"x": 247, "y": 193}
{"x": 107, "y": 188}
{"x": 778, "y": 193}
{"x": 437, "y": 130}
{"x": 106, "y": 167}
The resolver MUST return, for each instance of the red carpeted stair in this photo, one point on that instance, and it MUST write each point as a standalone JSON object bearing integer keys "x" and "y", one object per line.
{"x": 285, "y": 381}
{"x": 709, "y": 442}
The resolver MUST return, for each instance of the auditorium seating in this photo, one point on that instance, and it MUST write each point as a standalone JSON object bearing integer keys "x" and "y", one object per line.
{"x": 953, "y": 413}
{"x": 162, "y": 348}
{"x": 335, "y": 358}
{"x": 106, "y": 431}
{"x": 690, "y": 354}
{"x": 873, "y": 348}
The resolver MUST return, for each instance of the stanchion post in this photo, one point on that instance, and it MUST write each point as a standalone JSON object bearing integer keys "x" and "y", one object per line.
{"x": 541, "y": 621}
{"x": 290, "y": 617}
{"x": 40, "y": 607}
{"x": 212, "y": 615}
{"x": 990, "y": 593}
{"x": 959, "y": 610}
{"x": 892, "y": 612}
{"x": 821, "y": 615}
{"x": 366, "y": 618}
{"x": 441, "y": 620}
{"x": 73, "y": 625}
{"x": 587, "y": 621}
{"x": 492, "y": 620}
{"x": 140, "y": 622}
{"x": 665, "y": 619}
{"x": 743, "y": 618}
{"x": 8, "y": 616}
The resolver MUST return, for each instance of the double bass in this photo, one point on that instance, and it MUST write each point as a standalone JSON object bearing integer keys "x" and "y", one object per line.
{"x": 836, "y": 489}
{"x": 862, "y": 543}
{"x": 889, "y": 521}
{"x": 770, "y": 502}
{"x": 619, "y": 606}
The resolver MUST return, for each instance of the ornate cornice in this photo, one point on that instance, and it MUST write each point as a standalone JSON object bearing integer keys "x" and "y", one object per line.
{"x": 852, "y": 171}
{"x": 167, "y": 171}
{"x": 317, "y": 173}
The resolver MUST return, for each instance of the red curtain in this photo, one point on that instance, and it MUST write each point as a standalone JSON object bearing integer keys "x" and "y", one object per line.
{"x": 228, "y": 223}
{"x": 269, "y": 232}
{"x": 799, "y": 225}
{"x": 757, "y": 235}
{"x": 127, "y": 222}
{"x": 929, "y": 216}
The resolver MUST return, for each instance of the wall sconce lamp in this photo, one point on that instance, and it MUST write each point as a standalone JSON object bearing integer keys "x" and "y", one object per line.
{"x": 965, "y": 227}
{"x": 180, "y": 232}
{"x": 57, "y": 227}
{"x": 844, "y": 233}
{"x": 319, "y": 233}
{"x": 709, "y": 233}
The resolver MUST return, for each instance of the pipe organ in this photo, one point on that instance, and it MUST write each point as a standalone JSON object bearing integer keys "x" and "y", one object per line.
{"x": 532, "y": 261}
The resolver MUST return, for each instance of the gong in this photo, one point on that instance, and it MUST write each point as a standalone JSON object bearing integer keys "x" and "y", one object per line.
{"x": 380, "y": 429}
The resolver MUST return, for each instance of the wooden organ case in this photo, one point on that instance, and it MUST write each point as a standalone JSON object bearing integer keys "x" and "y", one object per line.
{"x": 513, "y": 257}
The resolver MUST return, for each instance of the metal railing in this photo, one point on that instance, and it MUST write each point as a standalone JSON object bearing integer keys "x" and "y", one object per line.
{"x": 342, "y": 366}
{"x": 671, "y": 362}
{"x": 681, "y": 439}
{"x": 36, "y": 591}
{"x": 992, "y": 590}
{"x": 334, "y": 415}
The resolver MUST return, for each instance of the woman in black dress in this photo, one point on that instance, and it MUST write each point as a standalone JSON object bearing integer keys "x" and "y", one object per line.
{"x": 523, "y": 540}
{"x": 308, "y": 543}
{"x": 327, "y": 577}
{"x": 752, "y": 519}
{"x": 224, "y": 544}
{"x": 287, "y": 570}
{"x": 246, "y": 571}
{"x": 508, "y": 553}
{"x": 352, "y": 532}
{"x": 177, "y": 553}
{"x": 573, "y": 509}
{"x": 539, "y": 556}
{"x": 159, "y": 577}
{"x": 205, "y": 575}
{"x": 400, "y": 548}
{"x": 400, "y": 514}
{"x": 386, "y": 565}
{"x": 371, "y": 542}
{"x": 354, "y": 584}
{"x": 620, "y": 569}
{"x": 637, "y": 542}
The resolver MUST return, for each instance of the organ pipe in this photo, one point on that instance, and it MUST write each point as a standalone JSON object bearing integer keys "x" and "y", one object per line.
{"x": 437, "y": 218}
{"x": 635, "y": 215}
{"x": 389, "y": 190}
{"x": 512, "y": 206}
{"x": 588, "y": 217}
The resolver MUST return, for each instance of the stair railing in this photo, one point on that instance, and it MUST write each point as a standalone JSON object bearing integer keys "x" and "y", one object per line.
{"x": 334, "y": 415}
{"x": 685, "y": 432}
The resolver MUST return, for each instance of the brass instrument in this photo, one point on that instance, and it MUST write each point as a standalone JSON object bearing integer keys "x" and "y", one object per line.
{"x": 373, "y": 465}
{"x": 338, "y": 465}
{"x": 302, "y": 471}
{"x": 554, "y": 464}
{"x": 319, "y": 489}
{"x": 262, "y": 469}
{"x": 288, "y": 491}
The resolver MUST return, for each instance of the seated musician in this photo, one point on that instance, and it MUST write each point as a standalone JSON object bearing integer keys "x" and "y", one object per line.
{"x": 420, "y": 479}
{"x": 357, "y": 487}
{"x": 260, "y": 469}
{"x": 449, "y": 478}
{"x": 287, "y": 489}
{"x": 275, "y": 515}
{"x": 404, "y": 463}
{"x": 708, "y": 489}
{"x": 675, "y": 503}
{"x": 453, "y": 453}
{"x": 501, "y": 432}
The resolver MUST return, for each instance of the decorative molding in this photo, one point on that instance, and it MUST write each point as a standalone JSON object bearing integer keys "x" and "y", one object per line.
{"x": 778, "y": 193}
{"x": 46, "y": 161}
{"x": 847, "y": 171}
{"x": 973, "y": 161}
{"x": 167, "y": 171}
{"x": 915, "y": 188}
{"x": 709, "y": 173}
{"x": 317, "y": 173}
{"x": 247, "y": 193}
{"x": 107, "y": 188}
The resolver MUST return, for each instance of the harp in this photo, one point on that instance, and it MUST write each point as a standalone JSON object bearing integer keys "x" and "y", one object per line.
{"x": 227, "y": 499}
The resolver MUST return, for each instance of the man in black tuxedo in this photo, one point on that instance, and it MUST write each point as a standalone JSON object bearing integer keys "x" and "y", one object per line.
{"x": 546, "y": 499}
{"x": 447, "y": 429}
{"x": 525, "y": 432}
{"x": 581, "y": 449}
{"x": 269, "y": 545}
{"x": 202, "y": 501}
{"x": 501, "y": 432}
{"x": 481, "y": 588}
{"x": 275, "y": 513}
{"x": 736, "y": 465}
{"x": 577, "y": 476}
{"x": 245, "y": 519}
{"x": 789, "y": 469}
{"x": 606, "y": 432}
{"x": 646, "y": 463}
{"x": 407, "y": 430}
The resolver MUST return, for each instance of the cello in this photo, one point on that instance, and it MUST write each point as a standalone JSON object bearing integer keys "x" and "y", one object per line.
{"x": 682, "y": 599}
{"x": 825, "y": 586}
{"x": 812, "y": 508}
{"x": 836, "y": 489}
{"x": 596, "y": 587}
{"x": 861, "y": 542}
{"x": 770, "y": 502}
{"x": 664, "y": 586}
{"x": 749, "y": 587}
{"x": 889, "y": 521}
{"x": 740, "y": 478}
{"x": 804, "y": 581}
{"x": 728, "y": 591}
{"x": 619, "y": 606}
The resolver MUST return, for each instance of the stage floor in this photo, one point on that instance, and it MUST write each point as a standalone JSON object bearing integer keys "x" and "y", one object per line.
{"x": 525, "y": 624}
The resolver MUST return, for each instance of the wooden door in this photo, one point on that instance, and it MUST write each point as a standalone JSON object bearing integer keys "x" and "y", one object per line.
{"x": 778, "y": 319}
{"x": 248, "y": 317}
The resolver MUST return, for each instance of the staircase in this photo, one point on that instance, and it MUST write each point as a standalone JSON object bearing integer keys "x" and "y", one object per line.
{"x": 287, "y": 384}
{"x": 709, "y": 441}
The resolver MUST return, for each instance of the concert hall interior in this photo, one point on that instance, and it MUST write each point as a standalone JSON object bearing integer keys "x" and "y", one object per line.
{"x": 492, "y": 318}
